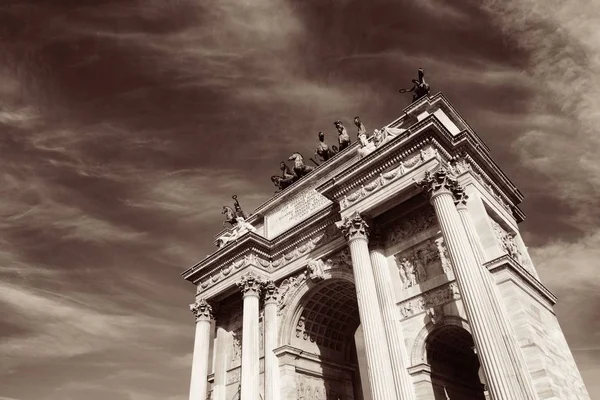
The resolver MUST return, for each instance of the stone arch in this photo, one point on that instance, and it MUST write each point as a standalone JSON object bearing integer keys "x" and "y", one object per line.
{"x": 419, "y": 348}
{"x": 295, "y": 304}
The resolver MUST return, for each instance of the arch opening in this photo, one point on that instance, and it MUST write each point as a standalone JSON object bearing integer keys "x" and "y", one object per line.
{"x": 326, "y": 324}
{"x": 455, "y": 368}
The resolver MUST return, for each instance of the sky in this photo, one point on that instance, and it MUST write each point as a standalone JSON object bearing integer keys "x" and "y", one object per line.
{"x": 126, "y": 125}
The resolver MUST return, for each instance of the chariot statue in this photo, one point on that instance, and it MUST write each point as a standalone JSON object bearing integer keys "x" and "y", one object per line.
{"x": 343, "y": 137}
{"x": 420, "y": 87}
{"x": 300, "y": 169}
{"x": 286, "y": 179}
{"x": 323, "y": 151}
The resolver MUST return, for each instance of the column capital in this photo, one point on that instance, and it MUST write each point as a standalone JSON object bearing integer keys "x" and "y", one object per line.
{"x": 438, "y": 182}
{"x": 376, "y": 237}
{"x": 250, "y": 284}
{"x": 271, "y": 293}
{"x": 460, "y": 197}
{"x": 201, "y": 310}
{"x": 354, "y": 227}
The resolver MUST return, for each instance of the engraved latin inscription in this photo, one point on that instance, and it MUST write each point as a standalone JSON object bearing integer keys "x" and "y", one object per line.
{"x": 295, "y": 210}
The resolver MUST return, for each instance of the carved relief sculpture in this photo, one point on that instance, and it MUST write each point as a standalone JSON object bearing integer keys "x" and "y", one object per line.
{"x": 415, "y": 222}
{"x": 316, "y": 270}
{"x": 508, "y": 244}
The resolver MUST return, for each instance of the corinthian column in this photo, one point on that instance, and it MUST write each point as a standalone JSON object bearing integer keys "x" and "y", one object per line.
{"x": 378, "y": 361}
{"x": 250, "y": 385}
{"x": 271, "y": 364}
{"x": 477, "y": 302}
{"x": 391, "y": 320}
{"x": 507, "y": 333}
{"x": 199, "y": 382}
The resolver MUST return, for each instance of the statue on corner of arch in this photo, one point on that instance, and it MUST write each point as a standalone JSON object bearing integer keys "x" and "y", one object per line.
{"x": 420, "y": 87}
{"x": 286, "y": 179}
{"x": 343, "y": 137}
{"x": 366, "y": 147}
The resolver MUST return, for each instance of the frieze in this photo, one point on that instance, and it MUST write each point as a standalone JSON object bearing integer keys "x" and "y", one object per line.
{"x": 405, "y": 165}
{"x": 424, "y": 261}
{"x": 430, "y": 299}
{"x": 317, "y": 388}
{"x": 410, "y": 225}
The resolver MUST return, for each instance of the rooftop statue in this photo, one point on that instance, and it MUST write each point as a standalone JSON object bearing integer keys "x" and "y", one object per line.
{"x": 360, "y": 126}
{"x": 238, "y": 209}
{"x": 286, "y": 179}
{"x": 343, "y": 137}
{"x": 366, "y": 147}
{"x": 300, "y": 169}
{"x": 229, "y": 216}
{"x": 420, "y": 87}
{"x": 241, "y": 227}
{"x": 323, "y": 150}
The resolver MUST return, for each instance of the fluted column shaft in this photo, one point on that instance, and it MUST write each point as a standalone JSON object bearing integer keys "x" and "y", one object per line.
{"x": 391, "y": 321}
{"x": 378, "y": 361}
{"x": 199, "y": 381}
{"x": 484, "y": 327}
{"x": 272, "y": 389}
{"x": 509, "y": 337}
{"x": 250, "y": 380}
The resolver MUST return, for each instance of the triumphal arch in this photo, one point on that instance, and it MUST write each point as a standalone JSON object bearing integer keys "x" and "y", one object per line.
{"x": 393, "y": 270}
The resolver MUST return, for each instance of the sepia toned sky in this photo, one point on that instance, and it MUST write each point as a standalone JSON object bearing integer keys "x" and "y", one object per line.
{"x": 126, "y": 125}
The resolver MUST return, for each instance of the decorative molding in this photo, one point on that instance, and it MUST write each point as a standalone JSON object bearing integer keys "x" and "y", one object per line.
{"x": 354, "y": 227}
{"x": 399, "y": 169}
{"x": 234, "y": 375}
{"x": 201, "y": 310}
{"x": 434, "y": 297}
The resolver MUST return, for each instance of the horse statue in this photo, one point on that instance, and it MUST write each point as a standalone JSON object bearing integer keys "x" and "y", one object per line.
{"x": 420, "y": 87}
{"x": 343, "y": 137}
{"x": 286, "y": 178}
{"x": 229, "y": 216}
{"x": 300, "y": 169}
{"x": 323, "y": 150}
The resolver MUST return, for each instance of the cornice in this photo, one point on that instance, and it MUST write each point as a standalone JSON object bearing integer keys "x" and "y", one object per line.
{"x": 507, "y": 262}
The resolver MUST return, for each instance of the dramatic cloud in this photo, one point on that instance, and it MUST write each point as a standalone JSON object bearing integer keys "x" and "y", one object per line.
{"x": 124, "y": 127}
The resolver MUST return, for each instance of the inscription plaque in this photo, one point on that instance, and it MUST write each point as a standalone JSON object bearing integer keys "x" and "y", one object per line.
{"x": 295, "y": 210}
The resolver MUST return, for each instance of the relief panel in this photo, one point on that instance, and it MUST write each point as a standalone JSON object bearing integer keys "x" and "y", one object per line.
{"x": 319, "y": 388}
